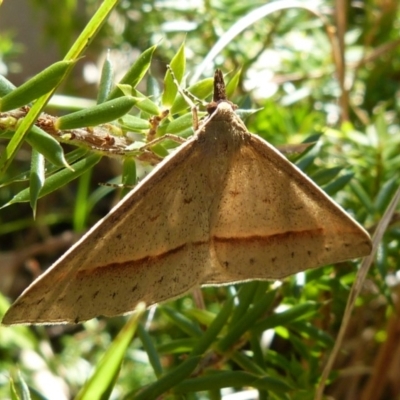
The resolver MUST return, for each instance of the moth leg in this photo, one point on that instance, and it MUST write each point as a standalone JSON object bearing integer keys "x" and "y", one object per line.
{"x": 169, "y": 136}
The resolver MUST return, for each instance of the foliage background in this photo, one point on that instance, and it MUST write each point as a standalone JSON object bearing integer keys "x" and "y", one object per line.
{"x": 305, "y": 83}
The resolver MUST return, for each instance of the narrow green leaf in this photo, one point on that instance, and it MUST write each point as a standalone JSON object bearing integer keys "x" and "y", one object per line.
{"x": 167, "y": 381}
{"x": 106, "y": 81}
{"x": 37, "y": 86}
{"x": 21, "y": 389}
{"x": 223, "y": 379}
{"x": 150, "y": 350}
{"x": 145, "y": 104}
{"x": 44, "y": 144}
{"x": 98, "y": 114}
{"x": 362, "y": 196}
{"x": 185, "y": 324}
{"x": 133, "y": 124}
{"x": 338, "y": 184}
{"x": 310, "y": 331}
{"x": 294, "y": 313}
{"x": 178, "y": 125}
{"x": 178, "y": 66}
{"x": 233, "y": 84}
{"x": 129, "y": 177}
{"x": 245, "y": 297}
{"x": 48, "y": 146}
{"x": 58, "y": 179}
{"x": 385, "y": 194}
{"x": 177, "y": 346}
{"x": 246, "y": 322}
{"x": 101, "y": 383}
{"x": 5, "y": 86}
{"x": 136, "y": 72}
{"x": 81, "y": 204}
{"x": 246, "y": 363}
{"x": 13, "y": 390}
{"x": 36, "y": 179}
{"x": 214, "y": 329}
{"x": 323, "y": 176}
{"x": 257, "y": 347}
{"x": 307, "y": 158}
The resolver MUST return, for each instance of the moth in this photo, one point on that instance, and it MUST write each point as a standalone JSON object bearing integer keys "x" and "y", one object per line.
{"x": 225, "y": 207}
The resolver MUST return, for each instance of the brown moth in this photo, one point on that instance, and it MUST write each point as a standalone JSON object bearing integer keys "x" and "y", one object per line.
{"x": 225, "y": 207}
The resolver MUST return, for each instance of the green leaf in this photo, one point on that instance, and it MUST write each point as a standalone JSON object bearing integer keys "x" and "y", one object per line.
{"x": 178, "y": 66}
{"x": 101, "y": 383}
{"x": 45, "y": 144}
{"x": 129, "y": 177}
{"x": 246, "y": 322}
{"x": 81, "y": 211}
{"x": 338, "y": 184}
{"x": 106, "y": 81}
{"x": 214, "y": 329}
{"x": 135, "y": 73}
{"x": 185, "y": 324}
{"x": 245, "y": 297}
{"x": 385, "y": 194}
{"x": 325, "y": 175}
{"x": 150, "y": 350}
{"x": 362, "y": 196}
{"x": 48, "y": 146}
{"x": 58, "y": 179}
{"x": 246, "y": 363}
{"x": 5, "y": 86}
{"x": 133, "y": 124}
{"x": 178, "y": 125}
{"x": 224, "y": 379}
{"x": 177, "y": 346}
{"x": 37, "y": 86}
{"x": 172, "y": 378}
{"x": 36, "y": 179}
{"x": 98, "y": 114}
{"x": 167, "y": 381}
{"x": 300, "y": 311}
{"x": 233, "y": 84}
{"x": 18, "y": 386}
{"x": 145, "y": 104}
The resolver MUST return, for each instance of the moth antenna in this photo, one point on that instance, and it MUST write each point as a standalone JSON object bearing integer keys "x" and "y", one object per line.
{"x": 185, "y": 94}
